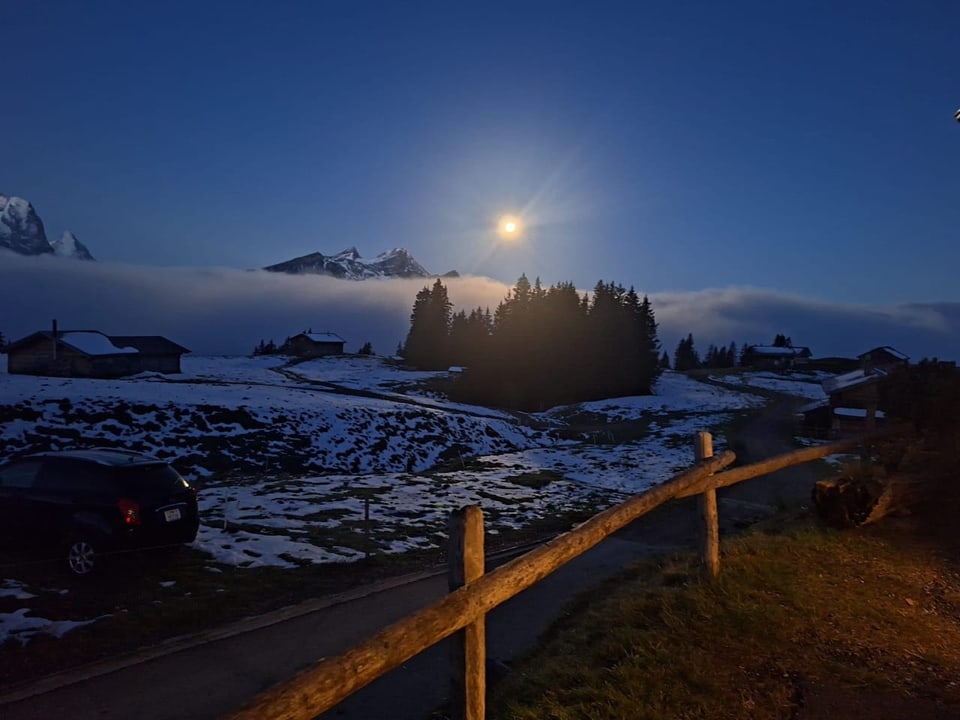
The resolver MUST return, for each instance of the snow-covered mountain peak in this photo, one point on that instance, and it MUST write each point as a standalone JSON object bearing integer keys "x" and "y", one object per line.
{"x": 21, "y": 229}
{"x": 69, "y": 246}
{"x": 14, "y": 208}
{"x": 348, "y": 265}
{"x": 351, "y": 253}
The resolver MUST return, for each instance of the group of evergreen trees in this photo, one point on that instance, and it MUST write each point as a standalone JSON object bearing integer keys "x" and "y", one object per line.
{"x": 542, "y": 346}
{"x": 269, "y": 348}
{"x": 686, "y": 357}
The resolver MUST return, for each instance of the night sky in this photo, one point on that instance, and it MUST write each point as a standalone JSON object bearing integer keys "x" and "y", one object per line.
{"x": 806, "y": 149}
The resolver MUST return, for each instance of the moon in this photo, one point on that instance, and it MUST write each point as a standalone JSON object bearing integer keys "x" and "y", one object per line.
{"x": 510, "y": 227}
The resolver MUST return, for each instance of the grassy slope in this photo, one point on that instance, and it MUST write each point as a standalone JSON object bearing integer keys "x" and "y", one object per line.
{"x": 799, "y": 611}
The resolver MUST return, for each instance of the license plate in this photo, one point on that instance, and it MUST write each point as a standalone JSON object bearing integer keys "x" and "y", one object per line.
{"x": 171, "y": 515}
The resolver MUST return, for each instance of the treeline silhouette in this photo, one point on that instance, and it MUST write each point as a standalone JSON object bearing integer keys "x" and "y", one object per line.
{"x": 686, "y": 357}
{"x": 541, "y": 346}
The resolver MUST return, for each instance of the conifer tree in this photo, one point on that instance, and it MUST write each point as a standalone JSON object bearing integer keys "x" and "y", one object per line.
{"x": 686, "y": 357}
{"x": 427, "y": 341}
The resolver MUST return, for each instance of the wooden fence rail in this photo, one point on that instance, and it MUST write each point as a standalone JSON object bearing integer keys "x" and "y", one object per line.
{"x": 474, "y": 594}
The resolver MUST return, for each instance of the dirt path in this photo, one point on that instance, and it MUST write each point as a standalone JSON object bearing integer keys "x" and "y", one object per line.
{"x": 770, "y": 433}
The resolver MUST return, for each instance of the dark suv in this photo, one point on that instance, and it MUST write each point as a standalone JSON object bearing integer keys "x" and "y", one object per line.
{"x": 87, "y": 503}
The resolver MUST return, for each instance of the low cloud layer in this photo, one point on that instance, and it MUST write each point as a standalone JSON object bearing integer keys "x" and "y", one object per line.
{"x": 228, "y": 311}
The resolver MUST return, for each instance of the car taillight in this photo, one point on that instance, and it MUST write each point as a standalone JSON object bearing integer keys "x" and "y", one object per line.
{"x": 130, "y": 511}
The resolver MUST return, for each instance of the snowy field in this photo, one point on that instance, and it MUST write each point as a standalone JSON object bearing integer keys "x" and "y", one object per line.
{"x": 806, "y": 385}
{"x": 225, "y": 417}
{"x": 287, "y": 459}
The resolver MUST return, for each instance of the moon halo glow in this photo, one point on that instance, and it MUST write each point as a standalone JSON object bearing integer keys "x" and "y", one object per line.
{"x": 510, "y": 227}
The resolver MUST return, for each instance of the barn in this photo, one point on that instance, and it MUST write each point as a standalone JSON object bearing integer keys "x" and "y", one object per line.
{"x": 91, "y": 354}
{"x": 310, "y": 344}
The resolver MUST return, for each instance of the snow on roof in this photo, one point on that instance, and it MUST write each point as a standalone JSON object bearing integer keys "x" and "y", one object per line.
{"x": 886, "y": 348}
{"x": 149, "y": 344}
{"x": 815, "y": 405}
{"x": 771, "y": 350}
{"x": 777, "y": 350}
{"x": 93, "y": 343}
{"x": 851, "y": 380}
{"x": 855, "y": 412}
{"x": 327, "y": 337}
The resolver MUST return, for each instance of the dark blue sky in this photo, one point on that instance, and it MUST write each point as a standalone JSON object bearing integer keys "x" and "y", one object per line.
{"x": 808, "y": 147}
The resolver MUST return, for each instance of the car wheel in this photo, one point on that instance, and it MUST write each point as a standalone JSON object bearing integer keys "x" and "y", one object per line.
{"x": 83, "y": 555}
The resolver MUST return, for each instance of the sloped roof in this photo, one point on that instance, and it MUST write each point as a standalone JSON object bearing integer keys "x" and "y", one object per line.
{"x": 886, "y": 348}
{"x": 777, "y": 351}
{"x": 93, "y": 343}
{"x": 149, "y": 344}
{"x": 25, "y": 340}
{"x": 88, "y": 342}
{"x": 327, "y": 337}
{"x": 815, "y": 405}
{"x": 851, "y": 380}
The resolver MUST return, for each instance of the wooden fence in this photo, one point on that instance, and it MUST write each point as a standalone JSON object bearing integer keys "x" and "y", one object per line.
{"x": 474, "y": 594}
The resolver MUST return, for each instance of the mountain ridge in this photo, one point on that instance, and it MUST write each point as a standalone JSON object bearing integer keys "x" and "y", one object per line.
{"x": 348, "y": 265}
{"x": 22, "y": 231}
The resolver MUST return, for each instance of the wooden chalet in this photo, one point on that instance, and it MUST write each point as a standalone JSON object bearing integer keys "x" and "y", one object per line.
{"x": 850, "y": 398}
{"x": 884, "y": 357}
{"x": 310, "y": 344}
{"x": 853, "y": 397}
{"x": 91, "y": 354}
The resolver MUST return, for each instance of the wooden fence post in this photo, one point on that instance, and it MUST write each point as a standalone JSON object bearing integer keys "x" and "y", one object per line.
{"x": 469, "y": 683}
{"x": 866, "y": 450}
{"x": 708, "y": 511}
{"x": 366, "y": 527}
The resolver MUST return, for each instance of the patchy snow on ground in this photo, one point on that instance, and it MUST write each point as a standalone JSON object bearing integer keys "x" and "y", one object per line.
{"x": 798, "y": 384}
{"x": 673, "y": 392}
{"x": 838, "y": 461}
{"x": 362, "y": 372}
{"x": 320, "y": 519}
{"x": 212, "y": 424}
{"x": 12, "y": 588}
{"x": 18, "y": 626}
{"x": 329, "y": 460}
{"x": 290, "y": 457}
{"x": 257, "y": 369}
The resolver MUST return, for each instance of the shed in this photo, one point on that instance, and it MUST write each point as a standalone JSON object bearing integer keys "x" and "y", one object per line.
{"x": 157, "y": 353}
{"x": 74, "y": 353}
{"x": 310, "y": 344}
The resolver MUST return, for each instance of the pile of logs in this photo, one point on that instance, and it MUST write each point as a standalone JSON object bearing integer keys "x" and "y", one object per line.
{"x": 848, "y": 501}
